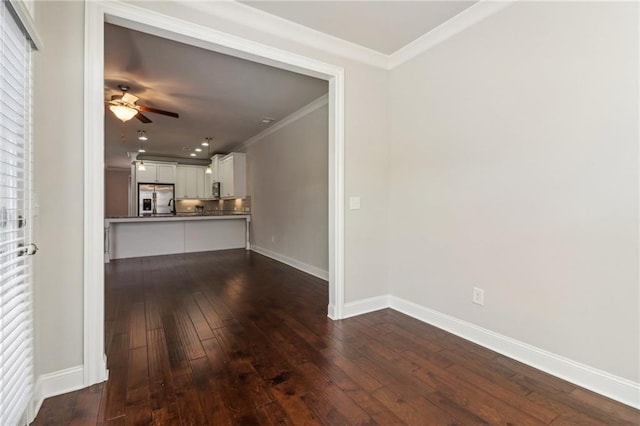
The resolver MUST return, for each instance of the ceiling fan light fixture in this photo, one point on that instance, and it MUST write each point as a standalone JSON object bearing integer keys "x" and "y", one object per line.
{"x": 124, "y": 113}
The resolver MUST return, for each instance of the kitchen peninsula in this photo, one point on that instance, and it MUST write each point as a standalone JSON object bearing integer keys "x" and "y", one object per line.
{"x": 137, "y": 236}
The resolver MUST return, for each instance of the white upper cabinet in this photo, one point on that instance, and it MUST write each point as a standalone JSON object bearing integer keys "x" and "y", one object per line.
{"x": 156, "y": 173}
{"x": 190, "y": 182}
{"x": 208, "y": 182}
{"x": 166, "y": 173}
{"x": 232, "y": 175}
{"x": 215, "y": 166}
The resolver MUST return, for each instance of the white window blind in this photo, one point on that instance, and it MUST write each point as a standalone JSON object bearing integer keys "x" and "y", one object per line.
{"x": 16, "y": 335}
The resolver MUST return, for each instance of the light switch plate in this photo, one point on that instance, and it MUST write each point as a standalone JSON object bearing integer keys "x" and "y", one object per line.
{"x": 354, "y": 203}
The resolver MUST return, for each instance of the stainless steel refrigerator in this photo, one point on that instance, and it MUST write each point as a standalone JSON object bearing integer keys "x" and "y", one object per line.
{"x": 156, "y": 198}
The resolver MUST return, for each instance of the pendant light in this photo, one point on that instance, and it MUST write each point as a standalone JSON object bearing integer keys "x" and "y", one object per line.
{"x": 142, "y": 138}
{"x": 208, "y": 170}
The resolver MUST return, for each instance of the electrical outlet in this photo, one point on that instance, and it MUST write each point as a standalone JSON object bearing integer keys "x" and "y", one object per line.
{"x": 478, "y": 296}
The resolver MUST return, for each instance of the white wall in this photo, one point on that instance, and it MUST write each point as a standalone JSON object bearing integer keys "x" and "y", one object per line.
{"x": 514, "y": 168}
{"x": 116, "y": 192}
{"x": 288, "y": 183}
{"x": 58, "y": 181}
{"x": 59, "y": 178}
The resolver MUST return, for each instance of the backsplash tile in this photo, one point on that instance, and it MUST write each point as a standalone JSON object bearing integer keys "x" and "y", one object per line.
{"x": 239, "y": 205}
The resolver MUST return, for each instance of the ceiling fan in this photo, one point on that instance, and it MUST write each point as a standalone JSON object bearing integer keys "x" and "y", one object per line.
{"x": 124, "y": 107}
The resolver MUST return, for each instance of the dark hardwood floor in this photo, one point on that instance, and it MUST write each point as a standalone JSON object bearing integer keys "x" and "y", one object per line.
{"x": 234, "y": 338}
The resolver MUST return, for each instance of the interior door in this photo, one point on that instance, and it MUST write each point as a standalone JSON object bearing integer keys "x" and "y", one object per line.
{"x": 16, "y": 300}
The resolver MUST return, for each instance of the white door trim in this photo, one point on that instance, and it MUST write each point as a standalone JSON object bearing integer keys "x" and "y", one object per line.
{"x": 98, "y": 12}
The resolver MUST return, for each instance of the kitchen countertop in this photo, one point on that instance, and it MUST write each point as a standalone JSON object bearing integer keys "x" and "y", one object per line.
{"x": 179, "y": 217}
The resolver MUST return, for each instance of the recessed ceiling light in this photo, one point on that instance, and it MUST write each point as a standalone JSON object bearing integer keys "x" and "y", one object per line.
{"x": 142, "y": 135}
{"x": 198, "y": 150}
{"x": 205, "y": 143}
{"x": 141, "y": 150}
{"x": 193, "y": 154}
{"x": 268, "y": 120}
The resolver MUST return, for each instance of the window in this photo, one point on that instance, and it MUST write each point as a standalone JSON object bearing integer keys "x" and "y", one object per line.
{"x": 16, "y": 335}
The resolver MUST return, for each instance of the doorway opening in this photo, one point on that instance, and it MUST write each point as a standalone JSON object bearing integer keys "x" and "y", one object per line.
{"x": 97, "y": 14}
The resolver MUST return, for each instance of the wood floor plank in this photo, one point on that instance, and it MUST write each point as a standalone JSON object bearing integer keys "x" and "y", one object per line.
{"x": 57, "y": 410}
{"x": 242, "y": 375}
{"x": 138, "y": 411}
{"x": 400, "y": 407}
{"x": 87, "y": 406}
{"x": 162, "y": 400}
{"x": 153, "y": 317}
{"x": 197, "y": 318}
{"x": 502, "y": 392}
{"x": 234, "y": 338}
{"x": 593, "y": 401}
{"x": 137, "y": 326}
{"x": 210, "y": 391}
{"x": 324, "y": 387}
{"x": 187, "y": 399}
{"x": 116, "y": 387}
{"x": 138, "y": 372}
{"x": 486, "y": 406}
{"x": 484, "y": 369}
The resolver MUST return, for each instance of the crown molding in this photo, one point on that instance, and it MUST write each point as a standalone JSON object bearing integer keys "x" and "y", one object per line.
{"x": 460, "y": 22}
{"x": 248, "y": 16}
{"x": 294, "y": 116}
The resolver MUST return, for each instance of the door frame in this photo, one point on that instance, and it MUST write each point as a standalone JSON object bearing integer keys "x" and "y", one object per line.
{"x": 141, "y": 19}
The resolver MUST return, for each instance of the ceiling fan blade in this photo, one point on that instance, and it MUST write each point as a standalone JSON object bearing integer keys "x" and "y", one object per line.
{"x": 157, "y": 111}
{"x": 129, "y": 98}
{"x": 142, "y": 118}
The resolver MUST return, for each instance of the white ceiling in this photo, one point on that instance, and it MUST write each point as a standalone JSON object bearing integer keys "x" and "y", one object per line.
{"x": 224, "y": 97}
{"x": 216, "y": 95}
{"x": 384, "y": 26}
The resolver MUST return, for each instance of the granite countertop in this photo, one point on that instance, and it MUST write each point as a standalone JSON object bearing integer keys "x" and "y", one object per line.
{"x": 180, "y": 216}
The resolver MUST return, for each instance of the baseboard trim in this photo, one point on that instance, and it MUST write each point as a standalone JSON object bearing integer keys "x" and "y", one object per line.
{"x": 365, "y": 306}
{"x": 57, "y": 383}
{"x": 294, "y": 263}
{"x": 606, "y": 384}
